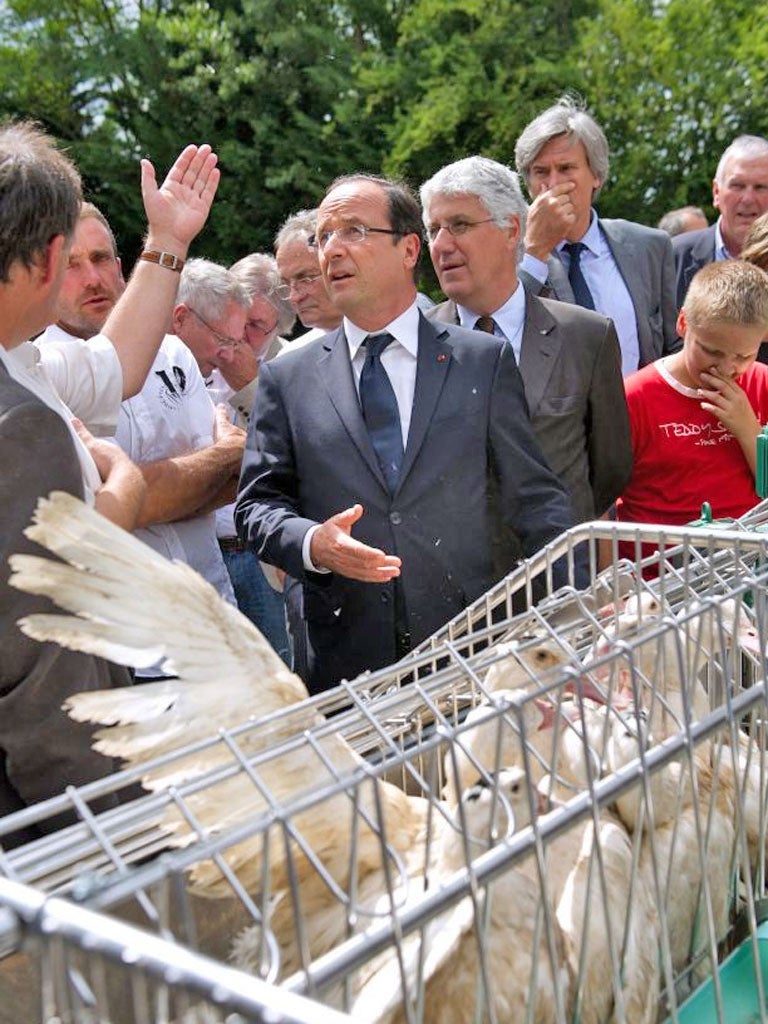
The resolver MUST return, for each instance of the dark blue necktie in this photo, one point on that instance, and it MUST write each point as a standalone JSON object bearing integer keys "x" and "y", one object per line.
{"x": 380, "y": 412}
{"x": 581, "y": 291}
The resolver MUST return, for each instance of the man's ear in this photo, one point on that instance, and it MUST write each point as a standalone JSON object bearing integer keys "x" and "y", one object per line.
{"x": 119, "y": 263}
{"x": 179, "y": 316}
{"x": 412, "y": 250}
{"x": 513, "y": 233}
{"x": 49, "y": 262}
{"x": 680, "y": 326}
{"x": 716, "y": 193}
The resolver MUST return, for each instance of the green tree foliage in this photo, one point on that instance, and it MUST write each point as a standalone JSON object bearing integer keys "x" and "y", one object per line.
{"x": 672, "y": 84}
{"x": 292, "y": 93}
{"x": 466, "y": 76}
{"x": 262, "y": 80}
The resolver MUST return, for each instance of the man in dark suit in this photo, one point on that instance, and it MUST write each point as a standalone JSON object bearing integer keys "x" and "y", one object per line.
{"x": 740, "y": 193}
{"x": 390, "y": 428}
{"x": 568, "y": 357}
{"x": 623, "y": 270}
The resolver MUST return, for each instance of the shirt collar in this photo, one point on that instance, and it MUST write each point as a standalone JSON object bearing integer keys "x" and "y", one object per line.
{"x": 591, "y": 239}
{"x": 53, "y": 332}
{"x": 721, "y": 250}
{"x": 404, "y": 329}
{"x": 25, "y": 355}
{"x": 510, "y": 317}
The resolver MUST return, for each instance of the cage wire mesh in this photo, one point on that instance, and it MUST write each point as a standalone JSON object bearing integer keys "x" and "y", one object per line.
{"x": 550, "y": 811}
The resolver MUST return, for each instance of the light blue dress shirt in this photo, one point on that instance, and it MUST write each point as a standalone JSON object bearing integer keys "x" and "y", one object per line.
{"x": 721, "y": 253}
{"x": 509, "y": 318}
{"x": 609, "y": 290}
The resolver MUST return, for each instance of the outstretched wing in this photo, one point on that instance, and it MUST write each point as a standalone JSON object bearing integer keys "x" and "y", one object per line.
{"x": 135, "y": 607}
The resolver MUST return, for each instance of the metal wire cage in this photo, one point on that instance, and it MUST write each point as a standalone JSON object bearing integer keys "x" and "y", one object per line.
{"x": 594, "y": 761}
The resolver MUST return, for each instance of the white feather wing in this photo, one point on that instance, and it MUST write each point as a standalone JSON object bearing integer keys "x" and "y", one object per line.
{"x": 133, "y": 606}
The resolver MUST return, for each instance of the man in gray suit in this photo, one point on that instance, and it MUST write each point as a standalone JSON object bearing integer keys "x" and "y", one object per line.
{"x": 740, "y": 193}
{"x": 392, "y": 428}
{"x": 623, "y": 270}
{"x": 568, "y": 357}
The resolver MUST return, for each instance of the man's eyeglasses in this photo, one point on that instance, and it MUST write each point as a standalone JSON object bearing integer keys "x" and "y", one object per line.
{"x": 222, "y": 340}
{"x": 300, "y": 283}
{"x": 350, "y": 234}
{"x": 454, "y": 227}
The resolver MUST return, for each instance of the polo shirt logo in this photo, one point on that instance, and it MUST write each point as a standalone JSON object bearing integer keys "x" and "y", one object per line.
{"x": 172, "y": 389}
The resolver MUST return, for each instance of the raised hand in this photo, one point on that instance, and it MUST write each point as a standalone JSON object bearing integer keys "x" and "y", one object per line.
{"x": 178, "y": 209}
{"x": 550, "y": 218}
{"x": 241, "y": 367}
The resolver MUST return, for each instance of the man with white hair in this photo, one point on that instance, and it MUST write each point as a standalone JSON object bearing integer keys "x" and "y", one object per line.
{"x": 188, "y": 450}
{"x": 618, "y": 268}
{"x": 569, "y": 358}
{"x": 740, "y": 193}
{"x": 303, "y": 284}
{"x": 269, "y": 316}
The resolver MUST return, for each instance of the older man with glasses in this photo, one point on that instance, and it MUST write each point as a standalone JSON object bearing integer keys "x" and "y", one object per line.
{"x": 568, "y": 357}
{"x": 302, "y": 283}
{"x": 187, "y": 449}
{"x": 233, "y": 382}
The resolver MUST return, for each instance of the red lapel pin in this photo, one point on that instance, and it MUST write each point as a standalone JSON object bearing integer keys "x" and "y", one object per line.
{"x": 442, "y": 357}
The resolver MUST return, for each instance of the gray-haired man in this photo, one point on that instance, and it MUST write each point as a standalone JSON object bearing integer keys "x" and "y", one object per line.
{"x": 618, "y": 268}
{"x": 740, "y": 193}
{"x": 569, "y": 359}
{"x": 186, "y": 448}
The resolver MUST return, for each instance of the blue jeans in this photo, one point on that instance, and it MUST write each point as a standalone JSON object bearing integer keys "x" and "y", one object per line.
{"x": 257, "y": 600}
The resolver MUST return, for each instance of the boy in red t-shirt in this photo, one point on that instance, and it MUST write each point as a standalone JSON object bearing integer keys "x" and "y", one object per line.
{"x": 695, "y": 415}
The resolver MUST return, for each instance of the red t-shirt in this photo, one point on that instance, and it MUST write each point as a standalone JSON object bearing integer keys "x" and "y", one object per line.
{"x": 683, "y": 455}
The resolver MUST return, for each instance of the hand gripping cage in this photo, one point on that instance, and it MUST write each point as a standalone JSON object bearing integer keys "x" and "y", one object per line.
{"x": 296, "y": 880}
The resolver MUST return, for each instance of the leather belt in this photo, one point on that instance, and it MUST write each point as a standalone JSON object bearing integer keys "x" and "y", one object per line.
{"x": 232, "y": 544}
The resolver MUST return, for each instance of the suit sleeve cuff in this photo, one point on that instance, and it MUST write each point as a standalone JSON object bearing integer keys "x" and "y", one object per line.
{"x": 242, "y": 402}
{"x": 537, "y": 268}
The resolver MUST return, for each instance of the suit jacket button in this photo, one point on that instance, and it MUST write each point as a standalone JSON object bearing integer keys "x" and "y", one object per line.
{"x": 395, "y": 518}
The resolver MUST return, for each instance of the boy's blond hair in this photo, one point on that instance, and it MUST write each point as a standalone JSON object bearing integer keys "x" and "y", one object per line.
{"x": 728, "y": 291}
{"x": 755, "y": 248}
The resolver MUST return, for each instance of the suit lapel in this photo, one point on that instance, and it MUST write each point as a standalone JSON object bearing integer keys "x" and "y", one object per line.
{"x": 629, "y": 259}
{"x": 540, "y": 348}
{"x": 703, "y": 251}
{"x": 336, "y": 372}
{"x": 626, "y": 257}
{"x": 432, "y": 363}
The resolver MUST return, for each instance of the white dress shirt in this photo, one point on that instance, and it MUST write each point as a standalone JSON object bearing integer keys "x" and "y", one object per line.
{"x": 509, "y": 319}
{"x": 399, "y": 360}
